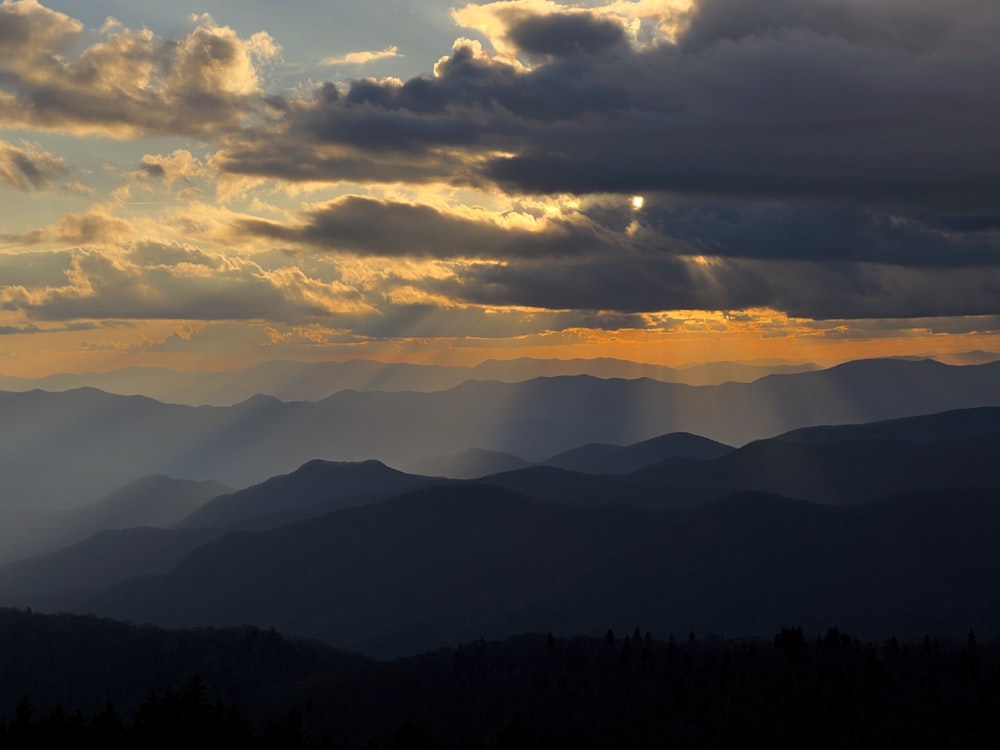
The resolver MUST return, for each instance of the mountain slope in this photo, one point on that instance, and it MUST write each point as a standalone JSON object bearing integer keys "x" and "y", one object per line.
{"x": 597, "y": 458}
{"x": 455, "y": 563}
{"x": 848, "y": 472}
{"x": 469, "y": 464}
{"x": 330, "y": 485}
{"x": 61, "y": 580}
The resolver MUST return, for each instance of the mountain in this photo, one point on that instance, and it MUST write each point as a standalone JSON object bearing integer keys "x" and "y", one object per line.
{"x": 155, "y": 501}
{"x": 313, "y": 381}
{"x": 833, "y": 473}
{"x": 314, "y": 488}
{"x": 97, "y": 442}
{"x": 949, "y": 425}
{"x": 598, "y": 458}
{"x": 912, "y": 564}
{"x": 469, "y": 464}
{"x": 454, "y": 563}
{"x": 439, "y": 565}
{"x": 60, "y": 580}
{"x": 562, "y": 486}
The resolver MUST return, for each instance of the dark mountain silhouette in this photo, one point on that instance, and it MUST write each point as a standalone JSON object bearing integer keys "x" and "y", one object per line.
{"x": 471, "y": 463}
{"x": 314, "y": 488}
{"x": 452, "y": 563}
{"x": 436, "y": 566}
{"x": 563, "y": 486}
{"x": 849, "y": 472}
{"x": 601, "y": 458}
{"x": 916, "y": 563}
{"x": 949, "y": 425}
{"x": 95, "y": 440}
{"x": 61, "y": 580}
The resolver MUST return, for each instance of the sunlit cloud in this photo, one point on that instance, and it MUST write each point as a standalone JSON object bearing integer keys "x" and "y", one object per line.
{"x": 29, "y": 166}
{"x": 129, "y": 83}
{"x": 363, "y": 57}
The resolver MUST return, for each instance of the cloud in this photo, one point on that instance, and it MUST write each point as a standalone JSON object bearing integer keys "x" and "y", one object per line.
{"x": 816, "y": 290}
{"x": 150, "y": 281}
{"x": 29, "y": 167}
{"x": 91, "y": 228}
{"x": 371, "y": 227}
{"x": 883, "y": 106}
{"x": 363, "y": 57}
{"x": 131, "y": 82}
{"x": 564, "y": 34}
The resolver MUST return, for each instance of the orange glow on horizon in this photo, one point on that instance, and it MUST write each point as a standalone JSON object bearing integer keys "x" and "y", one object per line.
{"x": 673, "y": 339}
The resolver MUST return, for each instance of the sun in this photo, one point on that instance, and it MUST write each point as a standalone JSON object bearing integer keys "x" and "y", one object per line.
{"x": 638, "y": 202}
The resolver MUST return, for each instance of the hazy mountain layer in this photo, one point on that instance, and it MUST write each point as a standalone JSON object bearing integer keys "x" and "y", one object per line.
{"x": 96, "y": 442}
{"x": 156, "y": 501}
{"x": 313, "y": 381}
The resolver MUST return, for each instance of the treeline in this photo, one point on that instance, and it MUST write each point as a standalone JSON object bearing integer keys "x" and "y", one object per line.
{"x": 827, "y": 692}
{"x": 167, "y": 720}
{"x": 68, "y": 678}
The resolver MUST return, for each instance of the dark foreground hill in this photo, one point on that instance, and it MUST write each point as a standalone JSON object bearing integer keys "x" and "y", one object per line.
{"x": 144, "y": 687}
{"x": 455, "y": 563}
{"x": 82, "y": 662}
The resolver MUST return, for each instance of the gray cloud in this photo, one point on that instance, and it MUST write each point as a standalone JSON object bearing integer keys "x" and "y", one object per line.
{"x": 818, "y": 290}
{"x": 881, "y": 104}
{"x": 365, "y": 226}
{"x": 562, "y": 34}
{"x": 783, "y": 230}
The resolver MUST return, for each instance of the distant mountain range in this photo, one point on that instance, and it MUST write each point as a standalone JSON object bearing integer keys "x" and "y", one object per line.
{"x": 883, "y": 527}
{"x": 75, "y": 447}
{"x": 314, "y": 381}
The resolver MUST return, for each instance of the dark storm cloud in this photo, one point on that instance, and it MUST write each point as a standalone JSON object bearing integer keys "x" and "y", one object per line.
{"x": 915, "y": 25}
{"x": 828, "y": 158}
{"x": 837, "y": 100}
{"x": 564, "y": 34}
{"x": 818, "y": 290}
{"x": 787, "y": 231}
{"x": 365, "y": 226}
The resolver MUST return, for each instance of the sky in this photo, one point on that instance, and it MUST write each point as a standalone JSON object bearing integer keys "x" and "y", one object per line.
{"x": 670, "y": 181}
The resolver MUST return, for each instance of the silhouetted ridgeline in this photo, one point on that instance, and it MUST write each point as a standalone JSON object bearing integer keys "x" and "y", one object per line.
{"x": 456, "y": 562}
{"x": 248, "y": 688}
